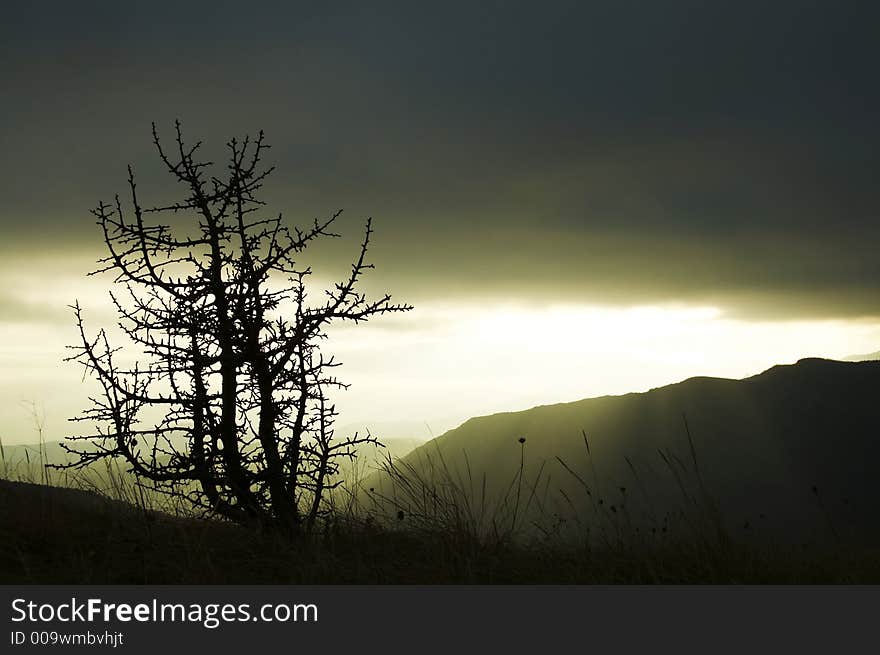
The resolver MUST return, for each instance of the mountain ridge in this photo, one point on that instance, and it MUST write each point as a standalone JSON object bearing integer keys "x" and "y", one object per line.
{"x": 793, "y": 442}
{"x": 695, "y": 378}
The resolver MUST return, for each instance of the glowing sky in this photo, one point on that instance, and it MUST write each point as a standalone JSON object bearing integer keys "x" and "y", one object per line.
{"x": 578, "y": 197}
{"x": 427, "y": 370}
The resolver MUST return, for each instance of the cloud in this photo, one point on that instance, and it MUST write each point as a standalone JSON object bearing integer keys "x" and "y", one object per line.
{"x": 596, "y": 152}
{"x": 14, "y": 309}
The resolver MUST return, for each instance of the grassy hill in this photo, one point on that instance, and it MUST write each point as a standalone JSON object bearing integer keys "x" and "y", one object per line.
{"x": 51, "y": 535}
{"x": 771, "y": 479}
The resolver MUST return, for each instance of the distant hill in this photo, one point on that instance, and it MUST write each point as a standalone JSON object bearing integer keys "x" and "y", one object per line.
{"x": 870, "y": 357}
{"x": 793, "y": 452}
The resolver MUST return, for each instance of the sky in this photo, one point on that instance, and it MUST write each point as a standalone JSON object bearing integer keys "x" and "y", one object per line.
{"x": 578, "y": 198}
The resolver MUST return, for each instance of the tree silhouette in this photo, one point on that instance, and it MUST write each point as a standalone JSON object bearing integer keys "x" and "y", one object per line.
{"x": 227, "y": 402}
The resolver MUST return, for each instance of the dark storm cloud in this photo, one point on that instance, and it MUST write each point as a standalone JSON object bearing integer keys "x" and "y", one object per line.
{"x": 592, "y": 151}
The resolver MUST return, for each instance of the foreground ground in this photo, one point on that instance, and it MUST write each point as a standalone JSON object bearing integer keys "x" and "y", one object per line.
{"x": 53, "y": 535}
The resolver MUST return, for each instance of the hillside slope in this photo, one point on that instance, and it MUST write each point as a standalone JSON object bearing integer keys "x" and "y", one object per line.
{"x": 793, "y": 451}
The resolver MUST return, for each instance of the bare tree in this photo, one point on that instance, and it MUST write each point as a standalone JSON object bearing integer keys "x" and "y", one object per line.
{"x": 228, "y": 364}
